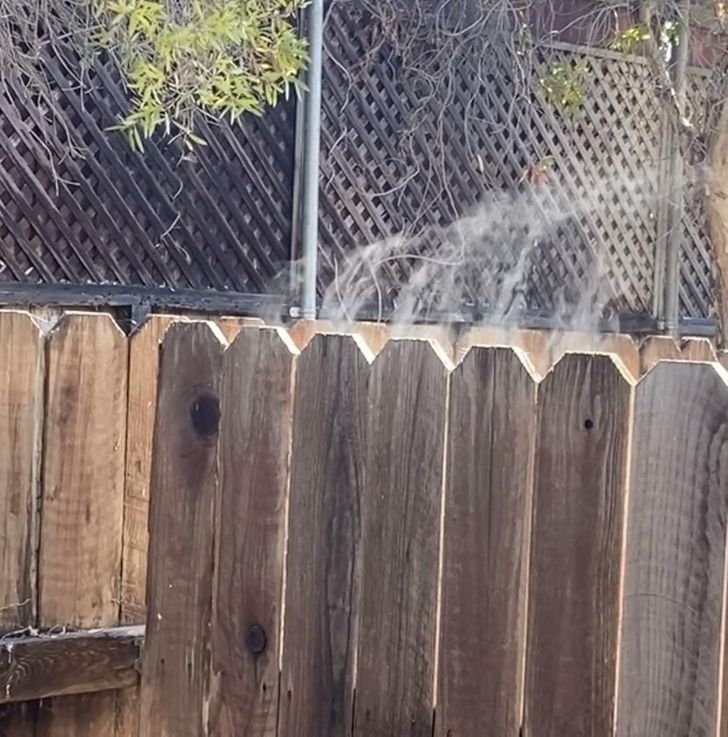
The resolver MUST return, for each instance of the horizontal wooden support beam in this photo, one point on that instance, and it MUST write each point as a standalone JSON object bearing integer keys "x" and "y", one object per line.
{"x": 40, "y": 666}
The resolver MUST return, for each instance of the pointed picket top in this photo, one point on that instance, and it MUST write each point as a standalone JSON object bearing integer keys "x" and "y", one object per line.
{"x": 429, "y": 346}
{"x": 522, "y": 355}
{"x": 675, "y": 548}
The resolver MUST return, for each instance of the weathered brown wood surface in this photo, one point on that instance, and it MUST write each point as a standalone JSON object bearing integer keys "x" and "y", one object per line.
{"x": 18, "y": 720}
{"x": 86, "y": 715}
{"x": 485, "y": 546}
{"x": 622, "y": 347}
{"x": 579, "y": 489}
{"x": 658, "y": 348}
{"x": 83, "y": 473}
{"x": 175, "y": 689}
{"x": 82, "y": 499}
{"x": 141, "y": 409}
{"x": 401, "y": 510}
{"x": 675, "y": 554}
{"x": 327, "y": 483}
{"x": 255, "y": 444}
{"x": 698, "y": 349}
{"x": 37, "y": 667}
{"x": 545, "y": 348}
{"x": 231, "y": 325}
{"x": 21, "y": 425}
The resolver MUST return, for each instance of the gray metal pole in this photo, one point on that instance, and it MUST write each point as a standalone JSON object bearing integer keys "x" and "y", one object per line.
{"x": 676, "y": 194}
{"x": 311, "y": 157}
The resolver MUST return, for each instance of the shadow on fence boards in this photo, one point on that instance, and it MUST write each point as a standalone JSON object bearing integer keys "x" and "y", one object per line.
{"x": 342, "y": 544}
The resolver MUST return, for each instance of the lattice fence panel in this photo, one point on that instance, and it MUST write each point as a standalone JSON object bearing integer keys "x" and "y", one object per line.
{"x": 584, "y": 237}
{"x": 215, "y": 218}
{"x": 696, "y": 263}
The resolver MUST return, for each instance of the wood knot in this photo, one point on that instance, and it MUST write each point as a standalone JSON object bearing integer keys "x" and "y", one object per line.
{"x": 256, "y": 640}
{"x": 205, "y": 415}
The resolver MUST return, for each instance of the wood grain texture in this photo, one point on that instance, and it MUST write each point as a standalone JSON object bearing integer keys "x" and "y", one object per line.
{"x": 698, "y": 349}
{"x": 375, "y": 335}
{"x": 232, "y": 325}
{"x": 327, "y": 467}
{"x": 141, "y": 409}
{"x": 658, "y": 348}
{"x": 83, "y": 473}
{"x": 82, "y": 498}
{"x": 18, "y": 720}
{"x": 622, "y": 347}
{"x": 255, "y": 443}
{"x": 400, "y": 541}
{"x": 579, "y": 489}
{"x": 88, "y": 715}
{"x": 21, "y": 418}
{"x": 175, "y": 693}
{"x": 36, "y": 667}
{"x": 533, "y": 344}
{"x": 674, "y": 554}
{"x": 491, "y": 440}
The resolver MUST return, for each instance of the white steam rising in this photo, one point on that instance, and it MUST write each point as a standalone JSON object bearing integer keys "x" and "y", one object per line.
{"x": 511, "y": 256}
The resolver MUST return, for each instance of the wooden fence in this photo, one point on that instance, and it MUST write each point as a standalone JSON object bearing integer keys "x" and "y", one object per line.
{"x": 349, "y": 544}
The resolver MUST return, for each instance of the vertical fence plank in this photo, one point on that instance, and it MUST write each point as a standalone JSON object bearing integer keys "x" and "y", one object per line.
{"x": 142, "y": 405}
{"x": 328, "y": 450}
{"x": 658, "y": 348}
{"x": 21, "y": 416}
{"x": 174, "y": 693}
{"x": 254, "y": 452}
{"x": 400, "y": 541}
{"x": 82, "y": 499}
{"x": 579, "y": 488}
{"x": 698, "y": 349}
{"x": 22, "y": 363}
{"x": 141, "y": 409}
{"x": 675, "y": 553}
{"x": 492, "y": 428}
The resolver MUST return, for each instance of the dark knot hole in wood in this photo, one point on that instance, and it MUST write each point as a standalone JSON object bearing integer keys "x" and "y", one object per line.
{"x": 205, "y": 415}
{"x": 588, "y": 424}
{"x": 256, "y": 640}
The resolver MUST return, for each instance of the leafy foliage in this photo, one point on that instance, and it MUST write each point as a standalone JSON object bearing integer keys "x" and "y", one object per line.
{"x": 563, "y": 85}
{"x": 629, "y": 40}
{"x": 223, "y": 58}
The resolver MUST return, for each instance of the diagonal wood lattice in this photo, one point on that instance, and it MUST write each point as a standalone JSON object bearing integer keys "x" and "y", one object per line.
{"x": 219, "y": 217}
{"x": 397, "y": 158}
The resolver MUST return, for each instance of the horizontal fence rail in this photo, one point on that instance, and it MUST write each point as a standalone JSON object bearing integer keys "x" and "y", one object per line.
{"x": 361, "y": 533}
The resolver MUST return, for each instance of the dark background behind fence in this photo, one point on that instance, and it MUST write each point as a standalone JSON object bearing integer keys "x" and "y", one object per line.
{"x": 221, "y": 218}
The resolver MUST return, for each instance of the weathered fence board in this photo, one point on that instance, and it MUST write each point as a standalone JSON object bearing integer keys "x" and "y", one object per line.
{"x": 675, "y": 554}
{"x": 327, "y": 466}
{"x": 141, "y": 409}
{"x": 38, "y": 666}
{"x": 401, "y": 510}
{"x": 83, "y": 475}
{"x": 21, "y": 416}
{"x": 579, "y": 488}
{"x": 18, "y": 720}
{"x": 658, "y": 348}
{"x": 82, "y": 499}
{"x": 485, "y": 546}
{"x": 174, "y": 695}
{"x": 89, "y": 715}
{"x": 255, "y": 445}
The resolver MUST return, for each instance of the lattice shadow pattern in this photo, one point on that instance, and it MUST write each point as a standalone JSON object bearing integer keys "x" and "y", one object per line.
{"x": 218, "y": 218}
{"x": 588, "y": 233}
